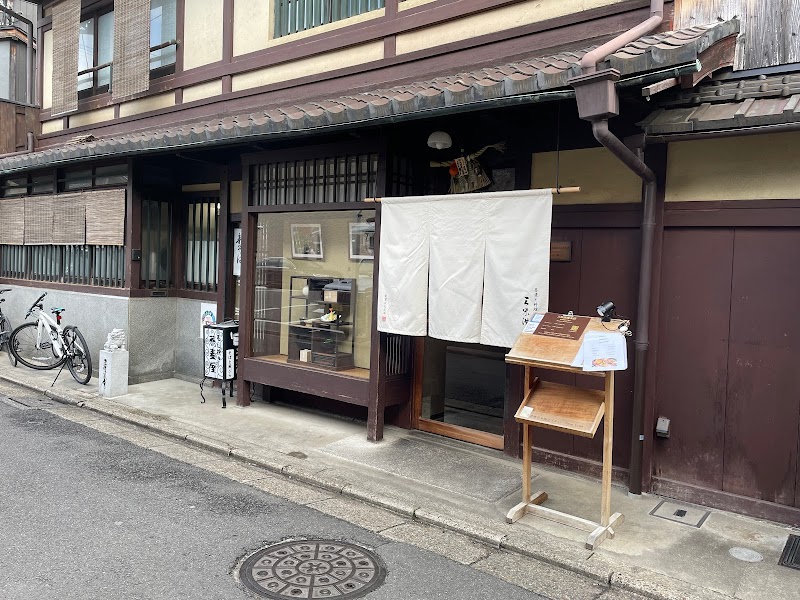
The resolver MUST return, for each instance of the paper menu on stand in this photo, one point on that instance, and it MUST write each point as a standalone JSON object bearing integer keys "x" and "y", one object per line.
{"x": 603, "y": 352}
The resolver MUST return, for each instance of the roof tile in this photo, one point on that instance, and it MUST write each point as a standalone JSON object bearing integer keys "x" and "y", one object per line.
{"x": 521, "y": 77}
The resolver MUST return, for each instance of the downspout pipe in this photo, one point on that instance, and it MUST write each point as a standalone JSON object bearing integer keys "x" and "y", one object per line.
{"x": 598, "y": 101}
{"x": 592, "y": 58}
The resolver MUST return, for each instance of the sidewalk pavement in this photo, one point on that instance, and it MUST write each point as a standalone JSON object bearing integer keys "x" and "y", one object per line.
{"x": 462, "y": 488}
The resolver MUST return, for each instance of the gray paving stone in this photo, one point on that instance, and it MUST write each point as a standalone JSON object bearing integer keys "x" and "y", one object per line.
{"x": 540, "y": 578}
{"x": 183, "y": 453}
{"x": 358, "y": 513}
{"x": 288, "y": 490}
{"x": 142, "y": 438}
{"x": 234, "y": 469}
{"x": 446, "y": 543}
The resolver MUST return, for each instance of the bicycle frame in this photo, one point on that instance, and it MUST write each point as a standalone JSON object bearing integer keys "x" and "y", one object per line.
{"x": 49, "y": 329}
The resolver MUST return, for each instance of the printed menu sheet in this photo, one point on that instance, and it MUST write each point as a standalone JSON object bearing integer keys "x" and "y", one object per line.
{"x": 604, "y": 352}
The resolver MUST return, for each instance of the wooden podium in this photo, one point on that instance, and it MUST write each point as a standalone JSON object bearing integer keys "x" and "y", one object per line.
{"x": 564, "y": 408}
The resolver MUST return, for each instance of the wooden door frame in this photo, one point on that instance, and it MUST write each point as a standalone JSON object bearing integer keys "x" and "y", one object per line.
{"x": 465, "y": 434}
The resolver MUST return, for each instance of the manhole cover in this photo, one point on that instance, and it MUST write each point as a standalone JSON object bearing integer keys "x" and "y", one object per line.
{"x": 745, "y": 555}
{"x": 312, "y": 569}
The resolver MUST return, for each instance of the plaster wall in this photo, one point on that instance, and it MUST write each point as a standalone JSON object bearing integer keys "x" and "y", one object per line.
{"x": 52, "y": 126}
{"x": 757, "y": 167}
{"x": 147, "y": 104}
{"x": 91, "y": 117}
{"x": 252, "y": 25}
{"x": 202, "y": 33}
{"x": 5, "y": 69}
{"x": 329, "y": 61}
{"x": 203, "y": 90}
{"x": 492, "y": 21}
{"x": 47, "y": 69}
{"x": 603, "y": 179}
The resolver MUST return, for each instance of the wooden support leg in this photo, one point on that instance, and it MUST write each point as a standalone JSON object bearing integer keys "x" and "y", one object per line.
{"x": 608, "y": 444}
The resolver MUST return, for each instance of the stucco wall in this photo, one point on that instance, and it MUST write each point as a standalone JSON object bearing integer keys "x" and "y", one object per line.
{"x": 506, "y": 17}
{"x": 600, "y": 175}
{"x": 47, "y": 69}
{"x": 757, "y": 167}
{"x": 202, "y": 34}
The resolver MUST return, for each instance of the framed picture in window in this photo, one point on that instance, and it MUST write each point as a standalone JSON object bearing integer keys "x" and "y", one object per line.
{"x": 306, "y": 240}
{"x": 362, "y": 241}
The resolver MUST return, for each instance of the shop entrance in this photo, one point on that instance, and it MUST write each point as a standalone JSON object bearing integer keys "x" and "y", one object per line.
{"x": 462, "y": 393}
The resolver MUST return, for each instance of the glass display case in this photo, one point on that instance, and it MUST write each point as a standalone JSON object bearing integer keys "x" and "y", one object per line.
{"x": 321, "y": 329}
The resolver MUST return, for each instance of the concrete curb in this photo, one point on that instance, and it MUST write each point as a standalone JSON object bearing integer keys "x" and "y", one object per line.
{"x": 543, "y": 548}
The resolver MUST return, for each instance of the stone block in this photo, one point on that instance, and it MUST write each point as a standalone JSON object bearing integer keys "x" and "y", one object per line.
{"x": 113, "y": 373}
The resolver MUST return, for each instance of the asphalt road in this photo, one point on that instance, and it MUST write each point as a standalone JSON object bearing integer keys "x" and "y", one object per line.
{"x": 86, "y": 515}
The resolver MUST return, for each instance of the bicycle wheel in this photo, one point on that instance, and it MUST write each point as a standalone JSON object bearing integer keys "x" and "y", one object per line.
{"x": 26, "y": 348}
{"x": 5, "y": 338}
{"x": 79, "y": 361}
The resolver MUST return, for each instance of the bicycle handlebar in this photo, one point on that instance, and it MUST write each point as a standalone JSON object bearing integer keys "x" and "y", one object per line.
{"x": 37, "y": 303}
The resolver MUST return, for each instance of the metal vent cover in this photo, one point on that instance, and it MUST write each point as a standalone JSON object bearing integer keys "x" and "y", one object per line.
{"x": 791, "y": 553}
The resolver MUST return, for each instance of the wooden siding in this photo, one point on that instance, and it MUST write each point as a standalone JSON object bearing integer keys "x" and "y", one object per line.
{"x": 770, "y": 28}
{"x": 728, "y": 350}
{"x": 15, "y": 123}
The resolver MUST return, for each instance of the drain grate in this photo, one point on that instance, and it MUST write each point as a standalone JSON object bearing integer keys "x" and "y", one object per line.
{"x": 680, "y": 513}
{"x": 312, "y": 569}
{"x": 791, "y": 553}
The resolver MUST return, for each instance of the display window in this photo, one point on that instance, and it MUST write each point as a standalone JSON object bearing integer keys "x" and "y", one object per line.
{"x": 314, "y": 289}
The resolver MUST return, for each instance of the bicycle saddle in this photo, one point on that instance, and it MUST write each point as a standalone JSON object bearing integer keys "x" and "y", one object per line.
{"x": 57, "y": 310}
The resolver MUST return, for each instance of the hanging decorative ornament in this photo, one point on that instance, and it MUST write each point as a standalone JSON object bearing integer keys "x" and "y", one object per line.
{"x": 466, "y": 173}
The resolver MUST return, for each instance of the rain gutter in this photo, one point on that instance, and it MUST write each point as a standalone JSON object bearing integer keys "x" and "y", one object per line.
{"x": 597, "y": 98}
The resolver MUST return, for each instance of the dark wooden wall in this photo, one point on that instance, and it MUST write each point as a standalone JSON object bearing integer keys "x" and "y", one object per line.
{"x": 604, "y": 266}
{"x": 729, "y": 350}
{"x": 15, "y": 123}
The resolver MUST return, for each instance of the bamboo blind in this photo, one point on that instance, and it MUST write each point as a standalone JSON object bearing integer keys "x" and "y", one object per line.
{"x": 66, "y": 27}
{"x": 69, "y": 219}
{"x": 131, "y": 70}
{"x": 105, "y": 217}
{"x": 38, "y": 220}
{"x": 12, "y": 221}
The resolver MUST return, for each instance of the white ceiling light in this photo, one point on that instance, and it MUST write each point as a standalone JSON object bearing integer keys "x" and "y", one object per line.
{"x": 439, "y": 140}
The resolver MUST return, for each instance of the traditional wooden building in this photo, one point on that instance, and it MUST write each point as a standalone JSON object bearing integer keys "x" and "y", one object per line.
{"x": 173, "y": 131}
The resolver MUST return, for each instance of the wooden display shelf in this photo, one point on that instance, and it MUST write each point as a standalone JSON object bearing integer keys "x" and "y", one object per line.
{"x": 567, "y": 409}
{"x": 563, "y": 408}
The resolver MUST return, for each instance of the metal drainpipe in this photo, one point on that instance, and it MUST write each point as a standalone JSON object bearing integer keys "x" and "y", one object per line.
{"x": 597, "y": 98}
{"x": 642, "y": 324}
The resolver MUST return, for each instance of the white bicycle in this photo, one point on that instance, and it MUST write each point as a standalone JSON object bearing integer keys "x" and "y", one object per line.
{"x": 44, "y": 344}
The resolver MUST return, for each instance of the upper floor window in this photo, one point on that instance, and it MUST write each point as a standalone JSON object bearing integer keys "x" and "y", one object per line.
{"x": 292, "y": 16}
{"x": 95, "y": 53}
{"x": 96, "y": 46}
{"x": 163, "y": 34}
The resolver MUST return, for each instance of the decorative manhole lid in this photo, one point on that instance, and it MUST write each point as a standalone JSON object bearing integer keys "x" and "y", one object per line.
{"x": 312, "y": 569}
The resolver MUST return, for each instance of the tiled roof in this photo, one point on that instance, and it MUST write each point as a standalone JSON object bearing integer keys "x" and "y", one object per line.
{"x": 459, "y": 91}
{"x": 751, "y": 102}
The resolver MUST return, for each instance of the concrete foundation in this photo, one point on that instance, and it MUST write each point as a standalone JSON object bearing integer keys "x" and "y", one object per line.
{"x": 164, "y": 335}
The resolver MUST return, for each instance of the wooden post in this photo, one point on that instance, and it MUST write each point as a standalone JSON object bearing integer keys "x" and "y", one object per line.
{"x": 608, "y": 445}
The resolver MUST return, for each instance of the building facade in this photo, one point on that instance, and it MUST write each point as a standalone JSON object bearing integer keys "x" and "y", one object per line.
{"x": 226, "y": 157}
